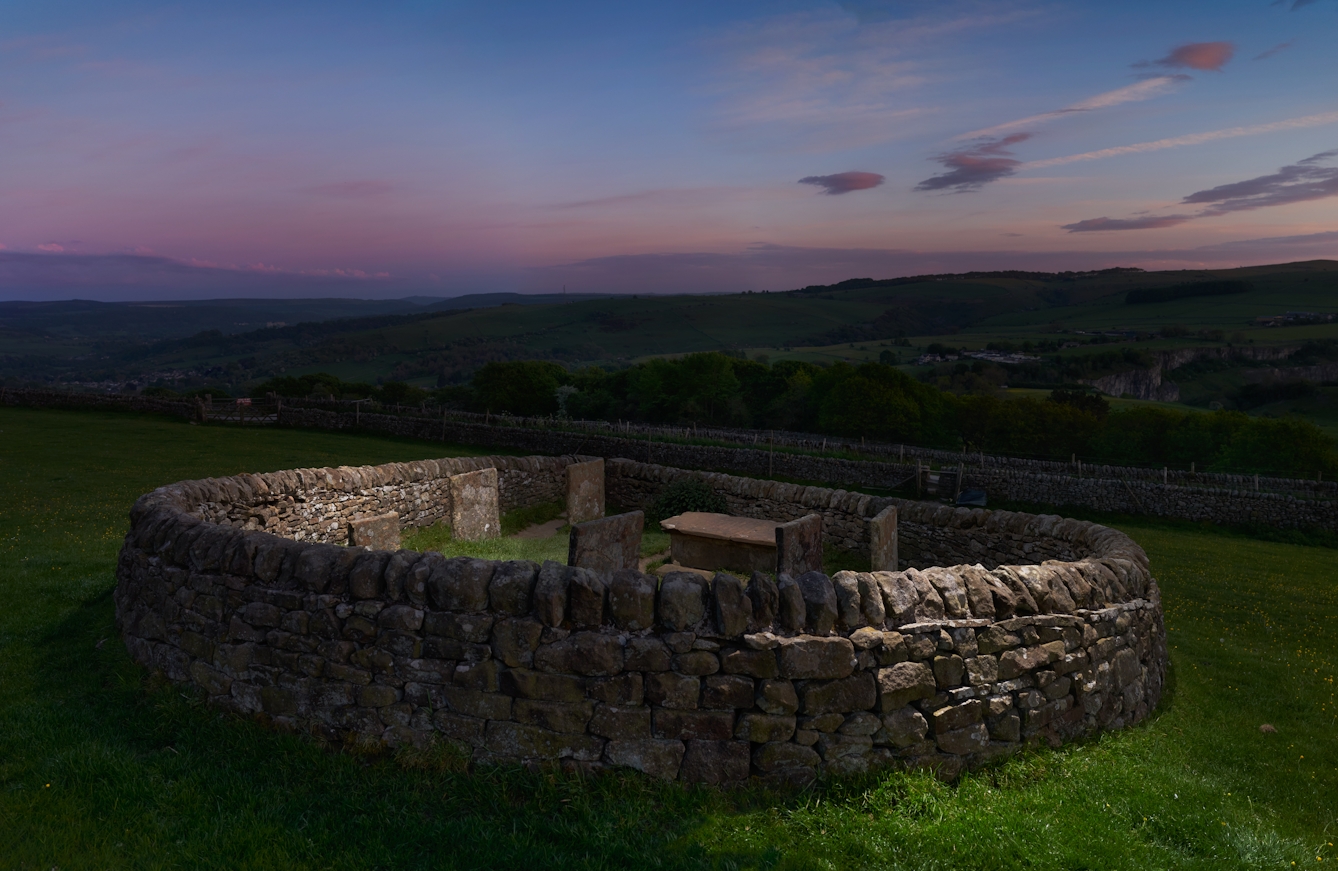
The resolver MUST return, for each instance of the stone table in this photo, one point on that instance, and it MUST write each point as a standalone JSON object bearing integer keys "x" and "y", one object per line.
{"x": 702, "y": 540}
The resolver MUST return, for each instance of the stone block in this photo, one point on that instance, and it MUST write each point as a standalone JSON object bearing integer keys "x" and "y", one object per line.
{"x": 681, "y": 601}
{"x": 849, "y": 615}
{"x": 621, "y": 723}
{"x": 904, "y": 727}
{"x": 585, "y": 492}
{"x": 810, "y": 658}
{"x": 466, "y": 730}
{"x": 715, "y": 761}
{"x": 606, "y": 544}
{"x": 733, "y": 608}
{"x": 697, "y": 662}
{"x": 754, "y": 663}
{"x": 554, "y": 716}
{"x": 514, "y": 640}
{"x": 647, "y": 654}
{"x": 632, "y": 600}
{"x": 952, "y": 717}
{"x": 949, "y": 671}
{"x": 657, "y": 758}
{"x": 692, "y": 725}
{"x": 587, "y": 598}
{"x": 961, "y": 742}
{"x": 512, "y": 586}
{"x": 519, "y": 741}
{"x": 861, "y": 723}
{"x": 670, "y": 690}
{"x": 765, "y": 599}
{"x": 625, "y": 689}
{"x": 376, "y": 533}
{"x": 474, "y": 506}
{"x": 550, "y": 593}
{"x": 777, "y": 697}
{"x": 585, "y": 653}
{"x": 773, "y": 757}
{"x": 903, "y": 683}
{"x": 855, "y": 693}
{"x": 799, "y": 546}
{"x": 364, "y": 578}
{"x": 819, "y": 602}
{"x": 526, "y": 684}
{"x": 791, "y": 612}
{"x": 727, "y": 691}
{"x": 476, "y": 703}
{"x": 883, "y": 541}
{"x": 460, "y": 584}
{"x": 765, "y": 728}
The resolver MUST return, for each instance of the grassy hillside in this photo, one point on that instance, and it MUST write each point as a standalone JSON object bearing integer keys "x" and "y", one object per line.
{"x": 103, "y": 768}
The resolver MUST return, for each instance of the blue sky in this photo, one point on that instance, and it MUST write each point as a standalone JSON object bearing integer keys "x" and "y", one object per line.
{"x": 190, "y": 149}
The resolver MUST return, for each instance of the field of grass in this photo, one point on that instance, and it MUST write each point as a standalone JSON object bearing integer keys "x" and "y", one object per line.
{"x": 101, "y": 767}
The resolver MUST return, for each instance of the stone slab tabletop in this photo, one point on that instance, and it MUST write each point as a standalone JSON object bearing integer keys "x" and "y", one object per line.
{"x": 724, "y": 527}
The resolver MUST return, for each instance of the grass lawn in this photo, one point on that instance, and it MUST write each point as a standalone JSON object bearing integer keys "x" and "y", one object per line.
{"x": 102, "y": 768}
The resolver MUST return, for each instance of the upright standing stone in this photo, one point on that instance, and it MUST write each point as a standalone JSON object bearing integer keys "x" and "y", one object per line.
{"x": 585, "y": 492}
{"x": 378, "y": 533}
{"x": 799, "y": 546}
{"x": 883, "y": 541}
{"x": 607, "y": 544}
{"x": 474, "y": 514}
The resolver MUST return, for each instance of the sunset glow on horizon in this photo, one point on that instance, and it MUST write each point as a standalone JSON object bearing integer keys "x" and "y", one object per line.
{"x": 191, "y": 150}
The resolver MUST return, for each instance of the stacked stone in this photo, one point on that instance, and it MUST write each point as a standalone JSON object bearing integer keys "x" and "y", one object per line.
{"x": 718, "y": 681}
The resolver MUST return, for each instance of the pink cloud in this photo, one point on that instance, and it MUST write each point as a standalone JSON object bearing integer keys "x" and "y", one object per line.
{"x": 844, "y": 182}
{"x": 1151, "y": 222}
{"x": 1196, "y": 56}
{"x": 975, "y": 167}
{"x": 51, "y": 247}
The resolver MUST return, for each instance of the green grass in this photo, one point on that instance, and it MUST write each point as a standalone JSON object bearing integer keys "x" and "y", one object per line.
{"x": 101, "y": 768}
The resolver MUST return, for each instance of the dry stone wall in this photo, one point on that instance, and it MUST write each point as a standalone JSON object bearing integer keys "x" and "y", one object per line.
{"x": 717, "y": 682}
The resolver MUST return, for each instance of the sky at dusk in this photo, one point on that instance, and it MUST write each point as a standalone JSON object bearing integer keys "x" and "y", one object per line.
{"x": 175, "y": 150}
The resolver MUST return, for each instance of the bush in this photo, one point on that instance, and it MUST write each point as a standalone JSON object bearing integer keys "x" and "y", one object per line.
{"x": 688, "y": 494}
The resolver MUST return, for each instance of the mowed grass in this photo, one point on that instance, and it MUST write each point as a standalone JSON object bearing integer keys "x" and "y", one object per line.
{"x": 101, "y": 767}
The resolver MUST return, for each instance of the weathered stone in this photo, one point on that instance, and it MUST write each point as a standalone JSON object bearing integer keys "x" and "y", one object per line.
{"x": 861, "y": 723}
{"x": 819, "y": 602}
{"x": 979, "y": 595}
{"x": 848, "y": 612}
{"x": 621, "y": 723}
{"x": 647, "y": 654}
{"x": 555, "y": 716}
{"x": 518, "y": 741}
{"x": 682, "y": 602}
{"x": 377, "y": 696}
{"x": 474, "y": 511}
{"x": 948, "y": 671}
{"x": 961, "y": 742}
{"x": 477, "y": 675}
{"x": 950, "y": 590}
{"x": 855, "y": 693}
{"x": 981, "y": 670}
{"x": 679, "y": 642}
{"x": 512, "y": 586}
{"x": 1024, "y": 659}
{"x": 904, "y": 683}
{"x": 900, "y": 596}
{"x": 733, "y": 608}
{"x": 585, "y": 492}
{"x": 777, "y": 697}
{"x": 364, "y": 579}
{"x": 715, "y": 761}
{"x": 466, "y": 730}
{"x": 995, "y": 638}
{"x": 654, "y": 757}
{"x": 791, "y": 612}
{"x": 834, "y": 745}
{"x": 799, "y": 546}
{"x": 808, "y": 657}
{"x": 669, "y": 690}
{"x": 606, "y": 544}
{"x": 883, "y": 542}
{"x": 764, "y": 728}
{"x": 550, "y": 593}
{"x": 771, "y": 757}
{"x": 696, "y": 662}
{"x": 526, "y": 684}
{"x": 376, "y": 533}
{"x": 959, "y": 716}
{"x": 765, "y": 599}
{"x": 904, "y": 727}
{"x": 515, "y": 639}
{"x": 460, "y": 584}
{"x": 587, "y": 653}
{"x": 755, "y": 663}
{"x": 726, "y": 692}
{"x": 1006, "y": 727}
{"x": 930, "y": 606}
{"x": 625, "y": 689}
{"x": 632, "y": 600}
{"x": 586, "y": 597}
{"x": 866, "y": 638}
{"x": 691, "y": 725}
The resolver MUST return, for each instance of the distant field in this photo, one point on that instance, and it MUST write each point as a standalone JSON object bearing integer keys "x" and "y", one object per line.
{"x": 102, "y": 767}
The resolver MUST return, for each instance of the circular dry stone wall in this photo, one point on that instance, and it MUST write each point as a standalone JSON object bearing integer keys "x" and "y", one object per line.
{"x": 241, "y": 587}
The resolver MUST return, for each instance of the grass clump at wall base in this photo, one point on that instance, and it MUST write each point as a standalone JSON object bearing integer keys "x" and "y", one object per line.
{"x": 686, "y": 494}
{"x": 103, "y": 766}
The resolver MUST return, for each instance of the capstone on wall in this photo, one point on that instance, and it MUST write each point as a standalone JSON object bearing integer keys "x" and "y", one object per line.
{"x": 721, "y": 682}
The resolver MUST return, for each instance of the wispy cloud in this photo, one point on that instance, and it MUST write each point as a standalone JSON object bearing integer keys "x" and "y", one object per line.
{"x": 1195, "y": 56}
{"x": 844, "y": 182}
{"x": 1303, "y": 181}
{"x": 1189, "y": 139}
{"x": 1144, "y": 90}
{"x": 972, "y": 168}
{"x": 1280, "y": 47}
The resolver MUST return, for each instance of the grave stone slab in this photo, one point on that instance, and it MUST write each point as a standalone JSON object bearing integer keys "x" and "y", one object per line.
{"x": 378, "y": 533}
{"x": 704, "y": 540}
{"x": 883, "y": 541}
{"x": 474, "y": 511}
{"x": 799, "y": 546}
{"x": 585, "y": 491}
{"x": 607, "y": 544}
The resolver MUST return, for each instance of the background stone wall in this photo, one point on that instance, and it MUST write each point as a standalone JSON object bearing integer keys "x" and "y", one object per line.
{"x": 715, "y": 682}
